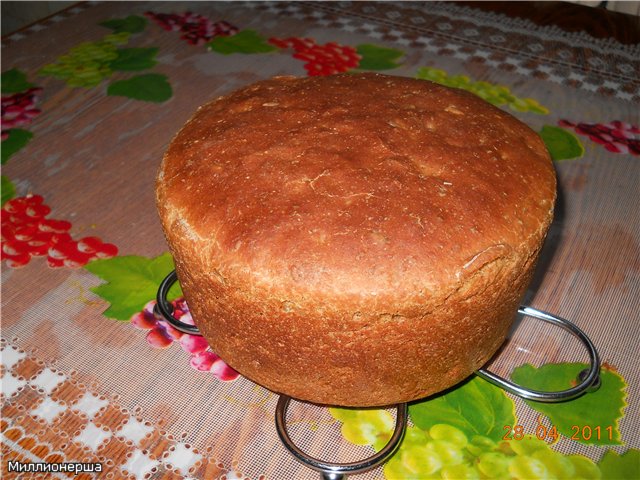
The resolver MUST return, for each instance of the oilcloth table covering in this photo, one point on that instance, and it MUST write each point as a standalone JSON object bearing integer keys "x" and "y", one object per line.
{"x": 90, "y": 100}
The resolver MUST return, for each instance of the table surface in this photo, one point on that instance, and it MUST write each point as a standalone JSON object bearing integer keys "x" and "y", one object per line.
{"x": 598, "y": 22}
{"x": 90, "y": 99}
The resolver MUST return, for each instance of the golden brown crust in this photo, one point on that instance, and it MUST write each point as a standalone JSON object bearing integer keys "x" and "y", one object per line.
{"x": 355, "y": 239}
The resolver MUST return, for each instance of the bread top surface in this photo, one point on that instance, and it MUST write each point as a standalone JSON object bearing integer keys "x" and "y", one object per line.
{"x": 360, "y": 185}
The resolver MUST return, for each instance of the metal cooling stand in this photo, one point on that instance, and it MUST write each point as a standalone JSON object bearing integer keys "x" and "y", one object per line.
{"x": 338, "y": 471}
{"x": 589, "y": 381}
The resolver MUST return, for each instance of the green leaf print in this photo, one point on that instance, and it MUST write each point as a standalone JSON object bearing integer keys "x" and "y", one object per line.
{"x": 131, "y": 281}
{"x": 8, "y": 190}
{"x": 562, "y": 145}
{"x": 14, "y": 81}
{"x": 131, "y": 59}
{"x": 621, "y": 467}
{"x": 378, "y": 58}
{"x": 131, "y": 24}
{"x": 245, "y": 41}
{"x": 476, "y": 407}
{"x": 16, "y": 140}
{"x": 591, "y": 419}
{"x": 151, "y": 87}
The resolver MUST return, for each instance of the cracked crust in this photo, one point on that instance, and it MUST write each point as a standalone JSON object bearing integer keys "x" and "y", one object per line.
{"x": 355, "y": 239}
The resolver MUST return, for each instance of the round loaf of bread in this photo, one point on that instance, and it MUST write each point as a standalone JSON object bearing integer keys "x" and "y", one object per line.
{"x": 357, "y": 239}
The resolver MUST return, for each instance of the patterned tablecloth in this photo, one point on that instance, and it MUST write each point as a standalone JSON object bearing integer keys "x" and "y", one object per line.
{"x": 93, "y": 382}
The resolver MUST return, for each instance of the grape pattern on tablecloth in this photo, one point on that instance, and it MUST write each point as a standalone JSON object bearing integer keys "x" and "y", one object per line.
{"x": 38, "y": 396}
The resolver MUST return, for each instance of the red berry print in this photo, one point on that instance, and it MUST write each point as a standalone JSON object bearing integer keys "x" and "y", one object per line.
{"x": 27, "y": 233}
{"x": 320, "y": 60}
{"x": 615, "y": 136}
{"x": 210, "y": 362}
{"x": 196, "y": 29}
{"x": 160, "y": 334}
{"x": 19, "y": 109}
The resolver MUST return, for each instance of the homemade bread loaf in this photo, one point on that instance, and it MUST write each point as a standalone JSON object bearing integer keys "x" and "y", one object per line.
{"x": 356, "y": 239}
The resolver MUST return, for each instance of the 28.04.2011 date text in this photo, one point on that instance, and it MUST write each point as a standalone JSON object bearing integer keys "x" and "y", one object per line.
{"x": 584, "y": 433}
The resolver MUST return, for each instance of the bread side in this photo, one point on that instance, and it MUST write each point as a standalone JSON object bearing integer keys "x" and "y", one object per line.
{"x": 358, "y": 239}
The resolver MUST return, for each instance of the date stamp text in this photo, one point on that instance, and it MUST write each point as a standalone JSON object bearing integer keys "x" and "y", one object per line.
{"x": 578, "y": 433}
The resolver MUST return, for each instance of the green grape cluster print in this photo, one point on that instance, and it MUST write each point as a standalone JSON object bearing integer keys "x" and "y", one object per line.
{"x": 445, "y": 452}
{"x": 472, "y": 432}
{"x": 87, "y": 64}
{"x": 495, "y": 94}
